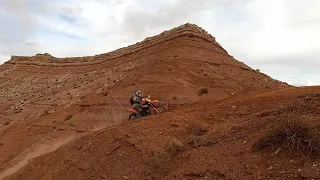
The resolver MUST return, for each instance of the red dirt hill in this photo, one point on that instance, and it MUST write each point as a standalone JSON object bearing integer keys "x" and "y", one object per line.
{"x": 210, "y": 135}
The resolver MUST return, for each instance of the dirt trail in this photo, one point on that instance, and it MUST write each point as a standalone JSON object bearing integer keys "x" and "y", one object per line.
{"x": 36, "y": 150}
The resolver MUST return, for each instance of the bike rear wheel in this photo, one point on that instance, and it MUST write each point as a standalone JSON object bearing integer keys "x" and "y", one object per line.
{"x": 133, "y": 117}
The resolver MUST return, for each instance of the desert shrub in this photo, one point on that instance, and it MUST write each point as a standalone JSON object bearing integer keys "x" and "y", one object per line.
{"x": 174, "y": 98}
{"x": 194, "y": 131}
{"x": 294, "y": 136}
{"x": 203, "y": 91}
{"x": 173, "y": 147}
{"x": 159, "y": 159}
{"x": 68, "y": 117}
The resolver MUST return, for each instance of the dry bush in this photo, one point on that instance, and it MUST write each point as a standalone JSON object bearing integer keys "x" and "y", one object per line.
{"x": 203, "y": 91}
{"x": 194, "y": 141}
{"x": 294, "y": 136}
{"x": 173, "y": 147}
{"x": 194, "y": 131}
{"x": 159, "y": 159}
{"x": 68, "y": 117}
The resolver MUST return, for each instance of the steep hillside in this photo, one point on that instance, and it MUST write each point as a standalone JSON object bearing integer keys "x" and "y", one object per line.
{"x": 38, "y": 93}
{"x": 212, "y": 140}
{"x": 175, "y": 63}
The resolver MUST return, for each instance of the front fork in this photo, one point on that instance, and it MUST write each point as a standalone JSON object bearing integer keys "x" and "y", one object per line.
{"x": 155, "y": 108}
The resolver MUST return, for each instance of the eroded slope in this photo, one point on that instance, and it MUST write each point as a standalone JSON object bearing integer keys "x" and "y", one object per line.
{"x": 215, "y": 141}
{"x": 38, "y": 93}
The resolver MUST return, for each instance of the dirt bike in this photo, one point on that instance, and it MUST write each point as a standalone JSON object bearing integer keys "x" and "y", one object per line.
{"x": 149, "y": 106}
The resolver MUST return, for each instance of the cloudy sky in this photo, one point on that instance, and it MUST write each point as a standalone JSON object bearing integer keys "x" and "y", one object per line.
{"x": 279, "y": 37}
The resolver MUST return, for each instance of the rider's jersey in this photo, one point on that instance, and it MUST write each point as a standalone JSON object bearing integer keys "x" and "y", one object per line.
{"x": 136, "y": 99}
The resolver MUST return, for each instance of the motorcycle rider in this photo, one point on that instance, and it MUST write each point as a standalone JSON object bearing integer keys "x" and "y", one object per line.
{"x": 139, "y": 103}
{"x": 136, "y": 101}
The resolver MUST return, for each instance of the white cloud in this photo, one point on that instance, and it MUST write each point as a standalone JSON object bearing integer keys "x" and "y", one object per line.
{"x": 313, "y": 83}
{"x": 280, "y": 37}
{"x": 279, "y": 31}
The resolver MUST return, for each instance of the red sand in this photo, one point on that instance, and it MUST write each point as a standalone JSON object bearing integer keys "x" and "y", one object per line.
{"x": 37, "y": 93}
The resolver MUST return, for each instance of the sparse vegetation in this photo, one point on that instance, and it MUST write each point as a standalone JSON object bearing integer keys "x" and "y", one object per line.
{"x": 159, "y": 159}
{"x": 203, "y": 91}
{"x": 295, "y": 136}
{"x": 68, "y": 117}
{"x": 173, "y": 147}
{"x": 194, "y": 131}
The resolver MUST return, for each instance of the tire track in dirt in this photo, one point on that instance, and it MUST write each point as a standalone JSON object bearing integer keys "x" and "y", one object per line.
{"x": 36, "y": 150}
{"x": 43, "y": 147}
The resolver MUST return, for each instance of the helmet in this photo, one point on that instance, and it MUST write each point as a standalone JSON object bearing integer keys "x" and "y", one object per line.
{"x": 138, "y": 93}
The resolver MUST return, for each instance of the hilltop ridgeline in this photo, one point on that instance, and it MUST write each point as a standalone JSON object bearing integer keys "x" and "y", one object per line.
{"x": 186, "y": 30}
